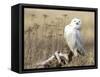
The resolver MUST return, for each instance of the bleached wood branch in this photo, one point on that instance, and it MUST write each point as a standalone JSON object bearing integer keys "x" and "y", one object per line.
{"x": 56, "y": 55}
{"x": 65, "y": 56}
{"x": 48, "y": 60}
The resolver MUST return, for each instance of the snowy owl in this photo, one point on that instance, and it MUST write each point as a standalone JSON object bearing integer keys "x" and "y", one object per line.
{"x": 73, "y": 38}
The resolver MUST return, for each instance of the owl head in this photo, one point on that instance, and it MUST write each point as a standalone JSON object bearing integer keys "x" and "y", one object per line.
{"x": 76, "y": 23}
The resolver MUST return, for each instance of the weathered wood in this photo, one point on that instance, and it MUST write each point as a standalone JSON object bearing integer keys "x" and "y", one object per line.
{"x": 58, "y": 56}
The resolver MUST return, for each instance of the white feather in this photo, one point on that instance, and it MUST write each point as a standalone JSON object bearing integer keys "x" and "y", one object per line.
{"x": 72, "y": 36}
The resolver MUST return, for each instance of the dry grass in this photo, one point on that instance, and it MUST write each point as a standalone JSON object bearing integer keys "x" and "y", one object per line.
{"x": 43, "y": 35}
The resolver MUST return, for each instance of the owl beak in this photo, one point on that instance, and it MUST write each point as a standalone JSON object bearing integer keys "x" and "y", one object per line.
{"x": 77, "y": 23}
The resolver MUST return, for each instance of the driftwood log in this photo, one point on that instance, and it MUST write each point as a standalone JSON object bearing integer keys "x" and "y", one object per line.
{"x": 56, "y": 60}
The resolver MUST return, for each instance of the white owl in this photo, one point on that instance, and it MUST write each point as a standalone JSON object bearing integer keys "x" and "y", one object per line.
{"x": 73, "y": 38}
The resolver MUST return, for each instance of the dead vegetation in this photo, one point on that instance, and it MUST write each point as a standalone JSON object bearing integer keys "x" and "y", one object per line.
{"x": 43, "y": 35}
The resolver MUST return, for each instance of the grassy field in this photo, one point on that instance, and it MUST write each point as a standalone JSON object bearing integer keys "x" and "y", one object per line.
{"x": 43, "y": 35}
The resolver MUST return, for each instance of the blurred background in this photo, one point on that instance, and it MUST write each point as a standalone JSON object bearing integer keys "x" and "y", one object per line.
{"x": 44, "y": 34}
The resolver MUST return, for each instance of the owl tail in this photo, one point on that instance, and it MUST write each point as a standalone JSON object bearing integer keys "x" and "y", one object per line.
{"x": 81, "y": 51}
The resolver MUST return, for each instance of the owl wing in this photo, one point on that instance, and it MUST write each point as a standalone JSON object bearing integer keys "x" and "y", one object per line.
{"x": 79, "y": 43}
{"x": 69, "y": 36}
